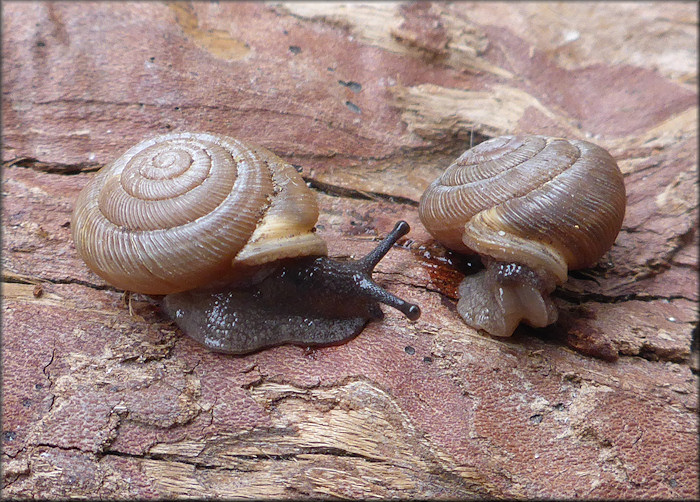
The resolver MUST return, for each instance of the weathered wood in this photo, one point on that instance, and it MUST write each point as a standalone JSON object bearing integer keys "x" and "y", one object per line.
{"x": 373, "y": 101}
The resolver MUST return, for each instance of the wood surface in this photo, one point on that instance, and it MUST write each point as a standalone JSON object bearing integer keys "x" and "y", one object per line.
{"x": 103, "y": 397}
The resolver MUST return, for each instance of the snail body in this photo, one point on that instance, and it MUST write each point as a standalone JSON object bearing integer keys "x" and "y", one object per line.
{"x": 533, "y": 208}
{"x": 225, "y": 229}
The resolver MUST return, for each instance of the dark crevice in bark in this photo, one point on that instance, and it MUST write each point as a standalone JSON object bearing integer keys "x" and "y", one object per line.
{"x": 52, "y": 167}
{"x": 351, "y": 193}
{"x": 64, "y": 448}
{"x": 44, "y": 370}
{"x": 324, "y": 451}
{"x": 579, "y": 298}
{"x": 325, "y": 188}
{"x": 37, "y": 280}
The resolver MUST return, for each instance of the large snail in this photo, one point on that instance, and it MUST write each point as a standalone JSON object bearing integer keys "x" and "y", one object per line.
{"x": 533, "y": 208}
{"x": 225, "y": 229}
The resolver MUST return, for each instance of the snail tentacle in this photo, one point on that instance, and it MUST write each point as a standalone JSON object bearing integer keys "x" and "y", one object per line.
{"x": 360, "y": 274}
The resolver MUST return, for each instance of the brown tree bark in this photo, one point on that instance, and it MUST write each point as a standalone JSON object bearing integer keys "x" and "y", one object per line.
{"x": 104, "y": 399}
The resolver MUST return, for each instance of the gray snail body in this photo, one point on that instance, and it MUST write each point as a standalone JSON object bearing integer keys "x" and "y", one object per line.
{"x": 533, "y": 208}
{"x": 225, "y": 230}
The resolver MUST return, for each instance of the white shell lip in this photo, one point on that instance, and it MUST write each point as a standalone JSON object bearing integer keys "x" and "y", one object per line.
{"x": 264, "y": 251}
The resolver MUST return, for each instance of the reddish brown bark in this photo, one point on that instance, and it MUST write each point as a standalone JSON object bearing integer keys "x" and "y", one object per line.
{"x": 373, "y": 101}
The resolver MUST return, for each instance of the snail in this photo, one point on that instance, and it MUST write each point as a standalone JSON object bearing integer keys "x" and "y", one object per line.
{"x": 533, "y": 208}
{"x": 226, "y": 231}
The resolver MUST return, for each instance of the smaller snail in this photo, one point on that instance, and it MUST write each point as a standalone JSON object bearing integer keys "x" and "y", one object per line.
{"x": 225, "y": 230}
{"x": 533, "y": 208}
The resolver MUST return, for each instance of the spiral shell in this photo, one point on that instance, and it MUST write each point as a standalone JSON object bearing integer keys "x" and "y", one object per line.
{"x": 179, "y": 210}
{"x": 548, "y": 203}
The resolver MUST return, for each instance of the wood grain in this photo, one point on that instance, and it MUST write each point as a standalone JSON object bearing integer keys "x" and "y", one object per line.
{"x": 103, "y": 397}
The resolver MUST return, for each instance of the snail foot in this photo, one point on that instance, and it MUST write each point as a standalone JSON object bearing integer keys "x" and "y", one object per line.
{"x": 498, "y": 298}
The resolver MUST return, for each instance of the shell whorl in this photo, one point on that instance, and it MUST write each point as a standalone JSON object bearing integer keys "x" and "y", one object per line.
{"x": 548, "y": 203}
{"x": 176, "y": 211}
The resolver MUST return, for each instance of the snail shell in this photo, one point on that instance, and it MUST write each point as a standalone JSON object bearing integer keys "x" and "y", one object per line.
{"x": 225, "y": 229}
{"x": 533, "y": 207}
{"x": 180, "y": 210}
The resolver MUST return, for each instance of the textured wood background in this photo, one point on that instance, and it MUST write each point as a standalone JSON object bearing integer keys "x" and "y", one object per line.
{"x": 373, "y": 101}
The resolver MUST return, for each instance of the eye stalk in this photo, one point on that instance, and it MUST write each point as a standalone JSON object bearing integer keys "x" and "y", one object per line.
{"x": 359, "y": 274}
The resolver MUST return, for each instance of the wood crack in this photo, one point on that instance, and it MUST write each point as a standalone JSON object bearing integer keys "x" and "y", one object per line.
{"x": 351, "y": 193}
{"x": 52, "y": 167}
{"x": 580, "y": 298}
{"x": 23, "y": 279}
{"x": 294, "y": 457}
